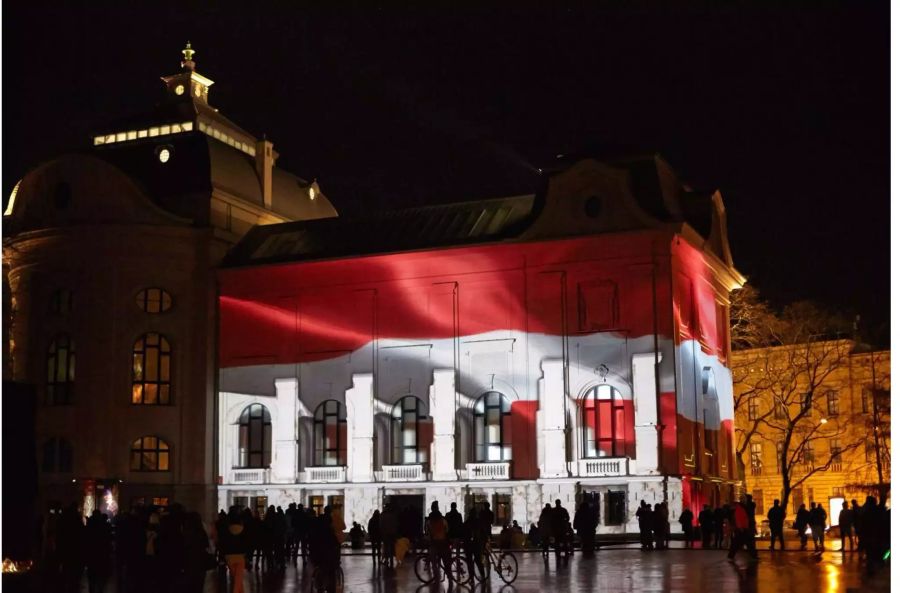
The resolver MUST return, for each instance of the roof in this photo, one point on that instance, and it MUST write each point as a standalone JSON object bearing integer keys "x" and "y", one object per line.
{"x": 385, "y": 232}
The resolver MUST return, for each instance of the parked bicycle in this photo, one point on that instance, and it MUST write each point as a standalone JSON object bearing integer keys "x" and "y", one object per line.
{"x": 428, "y": 567}
{"x": 503, "y": 563}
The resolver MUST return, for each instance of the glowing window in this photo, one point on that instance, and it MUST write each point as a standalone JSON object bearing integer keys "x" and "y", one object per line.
{"x": 408, "y": 419}
{"x": 603, "y": 423}
{"x": 98, "y": 140}
{"x": 110, "y": 138}
{"x": 493, "y": 428}
{"x": 154, "y": 300}
{"x": 164, "y": 155}
{"x": 255, "y": 437}
{"x": 832, "y": 400}
{"x": 176, "y": 128}
{"x": 330, "y": 433}
{"x": 756, "y": 463}
{"x": 142, "y": 133}
{"x": 165, "y": 129}
{"x": 187, "y": 126}
{"x": 57, "y": 456}
{"x": 120, "y": 137}
{"x": 154, "y": 132}
{"x": 12, "y": 199}
{"x": 132, "y": 135}
{"x": 753, "y": 408}
{"x": 61, "y": 371}
{"x": 151, "y": 371}
{"x": 149, "y": 454}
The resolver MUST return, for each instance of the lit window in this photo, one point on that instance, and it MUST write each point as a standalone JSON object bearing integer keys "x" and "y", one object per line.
{"x": 493, "y": 421}
{"x": 832, "y": 403}
{"x": 149, "y": 454}
{"x": 502, "y": 509}
{"x": 154, "y": 132}
{"x": 120, "y": 136}
{"x": 603, "y": 423}
{"x": 779, "y": 452}
{"x": 154, "y": 300}
{"x": 756, "y": 463}
{"x": 110, "y": 138}
{"x": 203, "y": 126}
{"x": 187, "y": 126}
{"x": 165, "y": 130}
{"x": 176, "y": 128}
{"x": 408, "y": 419}
{"x": 61, "y": 371}
{"x": 132, "y": 135}
{"x": 255, "y": 437}
{"x": 12, "y": 199}
{"x": 330, "y": 433}
{"x": 753, "y": 408}
{"x": 98, "y": 140}
{"x": 151, "y": 371}
{"x": 142, "y": 133}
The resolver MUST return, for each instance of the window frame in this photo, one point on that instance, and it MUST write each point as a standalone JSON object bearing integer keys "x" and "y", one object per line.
{"x": 249, "y": 423}
{"x": 156, "y": 446}
{"x": 618, "y": 447}
{"x": 756, "y": 458}
{"x": 399, "y": 414}
{"x": 832, "y": 399}
{"x": 60, "y": 393}
{"x": 321, "y": 420}
{"x": 753, "y": 408}
{"x": 162, "y": 351}
{"x": 143, "y": 300}
{"x": 481, "y": 414}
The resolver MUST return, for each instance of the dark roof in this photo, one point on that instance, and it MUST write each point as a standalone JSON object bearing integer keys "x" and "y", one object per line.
{"x": 385, "y": 232}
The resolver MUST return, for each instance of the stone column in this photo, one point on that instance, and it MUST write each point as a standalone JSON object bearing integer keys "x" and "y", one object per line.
{"x": 284, "y": 432}
{"x": 645, "y": 420}
{"x": 552, "y": 419}
{"x": 442, "y": 405}
{"x": 360, "y": 429}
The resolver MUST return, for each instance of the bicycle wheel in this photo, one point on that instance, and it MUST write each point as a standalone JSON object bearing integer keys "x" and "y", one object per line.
{"x": 507, "y": 567}
{"x": 459, "y": 571}
{"x": 424, "y": 568}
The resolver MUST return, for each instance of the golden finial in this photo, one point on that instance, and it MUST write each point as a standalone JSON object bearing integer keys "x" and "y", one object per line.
{"x": 188, "y": 53}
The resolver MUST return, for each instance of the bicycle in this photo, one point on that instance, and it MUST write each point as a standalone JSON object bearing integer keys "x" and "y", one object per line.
{"x": 320, "y": 581}
{"x": 428, "y": 566}
{"x": 504, "y": 564}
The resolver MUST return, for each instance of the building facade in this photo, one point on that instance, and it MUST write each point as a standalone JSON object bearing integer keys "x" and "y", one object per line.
{"x": 109, "y": 259}
{"x": 837, "y": 444}
{"x": 570, "y": 343}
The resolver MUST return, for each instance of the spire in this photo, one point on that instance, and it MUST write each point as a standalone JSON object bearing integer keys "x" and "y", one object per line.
{"x": 188, "y": 62}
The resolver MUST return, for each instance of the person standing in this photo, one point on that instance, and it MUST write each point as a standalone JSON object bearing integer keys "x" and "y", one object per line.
{"x": 659, "y": 526}
{"x": 454, "y": 524}
{"x": 438, "y": 537}
{"x": 817, "y": 519}
{"x": 645, "y": 522}
{"x": 776, "y": 524}
{"x": 705, "y": 518}
{"x": 741, "y": 532}
{"x": 719, "y": 519}
{"x": 585, "y": 526}
{"x": 235, "y": 546}
{"x": 855, "y": 511}
{"x": 801, "y": 522}
{"x": 196, "y": 552}
{"x": 545, "y": 529}
{"x": 474, "y": 544}
{"x": 374, "y": 529}
{"x": 560, "y": 522}
{"x": 845, "y": 523}
{"x": 98, "y": 546}
{"x": 389, "y": 528}
{"x": 687, "y": 526}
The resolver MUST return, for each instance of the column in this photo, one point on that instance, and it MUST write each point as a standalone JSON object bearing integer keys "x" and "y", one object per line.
{"x": 284, "y": 432}
{"x": 442, "y": 405}
{"x": 645, "y": 420}
{"x": 552, "y": 419}
{"x": 360, "y": 429}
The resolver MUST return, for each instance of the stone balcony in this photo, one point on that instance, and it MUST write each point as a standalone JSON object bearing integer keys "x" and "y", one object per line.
{"x": 401, "y": 473}
{"x": 498, "y": 470}
{"x": 248, "y": 476}
{"x": 602, "y": 467}
{"x": 325, "y": 474}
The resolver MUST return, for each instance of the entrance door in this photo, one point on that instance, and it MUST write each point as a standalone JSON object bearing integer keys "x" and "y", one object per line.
{"x": 410, "y": 509}
{"x": 615, "y": 508}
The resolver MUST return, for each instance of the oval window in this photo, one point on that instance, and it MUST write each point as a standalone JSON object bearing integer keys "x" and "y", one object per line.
{"x": 154, "y": 300}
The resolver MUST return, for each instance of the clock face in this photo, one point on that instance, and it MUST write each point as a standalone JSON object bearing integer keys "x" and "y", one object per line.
{"x": 164, "y": 155}
{"x": 198, "y": 90}
{"x": 179, "y": 90}
{"x": 312, "y": 193}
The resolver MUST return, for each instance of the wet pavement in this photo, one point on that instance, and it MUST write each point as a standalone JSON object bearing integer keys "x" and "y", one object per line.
{"x": 617, "y": 571}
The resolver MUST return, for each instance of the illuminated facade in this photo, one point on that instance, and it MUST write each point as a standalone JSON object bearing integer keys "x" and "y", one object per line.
{"x": 515, "y": 350}
{"x": 109, "y": 257}
{"x": 845, "y": 411}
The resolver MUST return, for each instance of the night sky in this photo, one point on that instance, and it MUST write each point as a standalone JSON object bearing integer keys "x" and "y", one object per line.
{"x": 786, "y": 111}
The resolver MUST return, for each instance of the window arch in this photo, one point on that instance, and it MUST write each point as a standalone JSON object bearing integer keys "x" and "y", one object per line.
{"x": 408, "y": 419}
{"x": 607, "y": 423}
{"x": 57, "y": 456}
{"x": 151, "y": 370}
{"x": 61, "y": 370}
{"x": 149, "y": 454}
{"x": 493, "y": 428}
{"x": 330, "y": 433}
{"x": 255, "y": 437}
{"x": 154, "y": 300}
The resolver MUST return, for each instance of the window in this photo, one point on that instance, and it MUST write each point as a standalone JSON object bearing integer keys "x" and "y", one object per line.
{"x": 61, "y": 301}
{"x": 603, "y": 423}
{"x": 806, "y": 455}
{"x": 255, "y": 437}
{"x": 407, "y": 418}
{"x": 149, "y": 454}
{"x": 778, "y": 408}
{"x": 837, "y": 492}
{"x": 753, "y": 408}
{"x": 330, "y": 433}
{"x": 502, "y": 509}
{"x": 61, "y": 371}
{"x": 756, "y": 467}
{"x": 832, "y": 399}
{"x": 615, "y": 508}
{"x": 492, "y": 428}
{"x": 154, "y": 300}
{"x": 835, "y": 447}
{"x": 57, "y": 456}
{"x": 779, "y": 452}
{"x": 317, "y": 504}
{"x": 866, "y": 400}
{"x": 151, "y": 370}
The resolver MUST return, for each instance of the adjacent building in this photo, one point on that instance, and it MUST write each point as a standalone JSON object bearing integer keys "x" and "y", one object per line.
{"x": 565, "y": 344}
{"x": 110, "y": 258}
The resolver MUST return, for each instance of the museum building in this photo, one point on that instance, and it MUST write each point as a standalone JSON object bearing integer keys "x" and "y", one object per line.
{"x": 565, "y": 344}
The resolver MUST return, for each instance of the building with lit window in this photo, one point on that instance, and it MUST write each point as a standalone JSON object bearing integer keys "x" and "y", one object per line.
{"x": 840, "y": 438}
{"x": 517, "y": 350}
{"x": 109, "y": 255}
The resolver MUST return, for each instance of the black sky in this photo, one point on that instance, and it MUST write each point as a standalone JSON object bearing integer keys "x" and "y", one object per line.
{"x": 786, "y": 110}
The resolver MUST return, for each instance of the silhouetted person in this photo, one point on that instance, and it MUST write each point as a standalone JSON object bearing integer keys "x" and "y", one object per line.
{"x": 585, "y": 524}
{"x": 742, "y": 532}
{"x": 857, "y": 514}
{"x": 707, "y": 525}
{"x": 196, "y": 553}
{"x": 560, "y": 523}
{"x": 71, "y": 547}
{"x": 687, "y": 526}
{"x": 454, "y": 522}
{"x": 776, "y": 524}
{"x": 98, "y": 547}
{"x": 474, "y": 542}
{"x": 801, "y": 522}
{"x": 660, "y": 521}
{"x": 545, "y": 529}
{"x": 235, "y": 545}
{"x": 645, "y": 525}
{"x": 720, "y": 516}
{"x": 374, "y": 529}
{"x": 845, "y": 523}
{"x": 817, "y": 519}
{"x": 389, "y": 532}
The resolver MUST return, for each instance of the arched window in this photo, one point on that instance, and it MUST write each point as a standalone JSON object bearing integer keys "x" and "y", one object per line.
{"x": 151, "y": 370}
{"x": 154, "y": 300}
{"x": 604, "y": 423}
{"x": 492, "y": 428}
{"x": 61, "y": 371}
{"x": 330, "y": 433}
{"x": 407, "y": 421}
{"x": 149, "y": 454}
{"x": 255, "y": 437}
{"x": 57, "y": 456}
